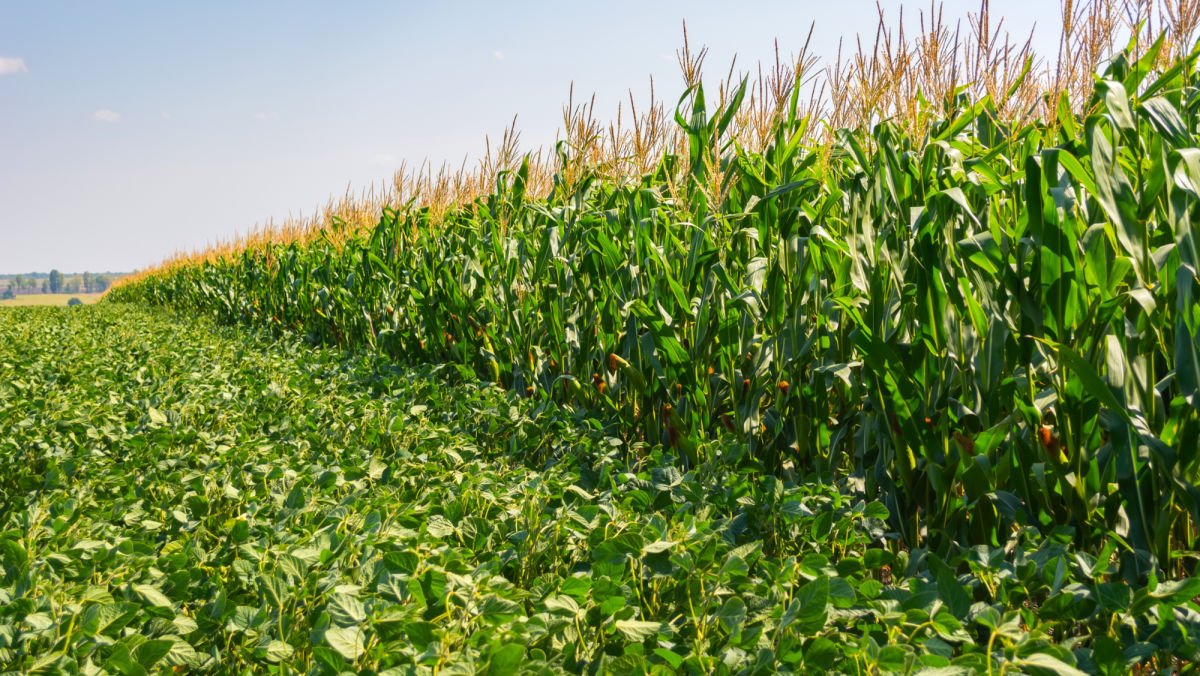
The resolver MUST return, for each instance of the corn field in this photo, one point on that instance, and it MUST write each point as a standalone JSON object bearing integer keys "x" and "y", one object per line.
{"x": 975, "y": 299}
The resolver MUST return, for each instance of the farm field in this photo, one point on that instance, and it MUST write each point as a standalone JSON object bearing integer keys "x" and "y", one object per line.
{"x": 56, "y": 299}
{"x": 178, "y": 495}
{"x": 897, "y": 375}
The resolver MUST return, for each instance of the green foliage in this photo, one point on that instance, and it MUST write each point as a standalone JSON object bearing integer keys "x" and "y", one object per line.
{"x": 990, "y": 327}
{"x": 176, "y": 496}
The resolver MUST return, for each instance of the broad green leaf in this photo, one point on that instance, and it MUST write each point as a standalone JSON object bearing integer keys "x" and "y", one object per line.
{"x": 275, "y": 651}
{"x": 732, "y": 614}
{"x": 637, "y": 631}
{"x": 152, "y": 596}
{"x": 347, "y": 641}
{"x": 808, "y": 612}
{"x": 345, "y": 610}
{"x": 149, "y": 653}
{"x": 505, "y": 659}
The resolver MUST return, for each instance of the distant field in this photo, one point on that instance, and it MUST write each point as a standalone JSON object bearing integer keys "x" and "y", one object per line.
{"x": 49, "y": 299}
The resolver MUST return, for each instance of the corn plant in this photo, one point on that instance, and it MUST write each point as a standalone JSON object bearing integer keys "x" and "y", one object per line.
{"x": 992, "y": 325}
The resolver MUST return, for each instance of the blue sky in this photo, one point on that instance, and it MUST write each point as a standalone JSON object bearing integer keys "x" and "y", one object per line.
{"x": 131, "y": 130}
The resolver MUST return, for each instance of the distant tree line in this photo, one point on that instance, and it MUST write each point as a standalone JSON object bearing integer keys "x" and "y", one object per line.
{"x": 57, "y": 282}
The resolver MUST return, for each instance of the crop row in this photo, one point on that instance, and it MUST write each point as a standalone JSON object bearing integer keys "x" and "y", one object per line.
{"x": 988, "y": 325}
{"x": 176, "y": 496}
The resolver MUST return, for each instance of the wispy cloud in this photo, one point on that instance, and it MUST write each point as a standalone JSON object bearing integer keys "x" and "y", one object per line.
{"x": 12, "y": 64}
{"x": 266, "y": 116}
{"x": 166, "y": 115}
{"x": 498, "y": 55}
{"x": 106, "y": 115}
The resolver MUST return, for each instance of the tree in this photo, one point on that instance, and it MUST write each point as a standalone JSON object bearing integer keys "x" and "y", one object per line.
{"x": 18, "y": 282}
{"x": 45, "y": 286}
{"x": 100, "y": 283}
{"x": 56, "y": 281}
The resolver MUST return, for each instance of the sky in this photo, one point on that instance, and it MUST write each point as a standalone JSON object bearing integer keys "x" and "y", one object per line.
{"x": 132, "y": 130}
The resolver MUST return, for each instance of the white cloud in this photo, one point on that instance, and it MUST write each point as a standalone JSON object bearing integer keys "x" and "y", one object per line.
{"x": 106, "y": 115}
{"x": 12, "y": 64}
{"x": 166, "y": 115}
{"x": 266, "y": 116}
{"x": 498, "y": 55}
